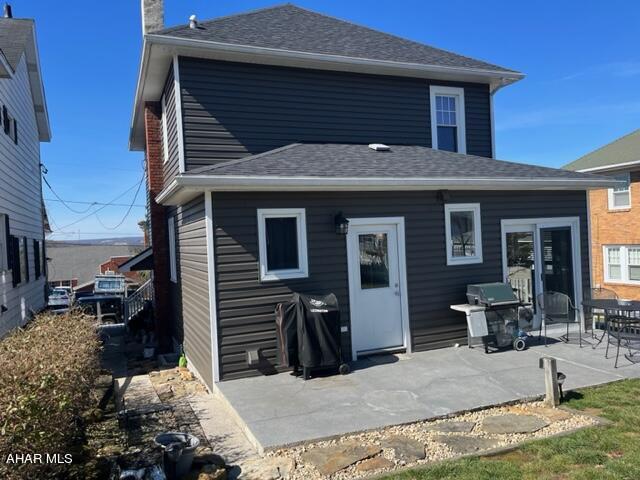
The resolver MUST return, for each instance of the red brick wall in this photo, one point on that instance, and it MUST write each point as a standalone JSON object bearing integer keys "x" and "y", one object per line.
{"x": 159, "y": 239}
{"x": 614, "y": 227}
{"x": 112, "y": 265}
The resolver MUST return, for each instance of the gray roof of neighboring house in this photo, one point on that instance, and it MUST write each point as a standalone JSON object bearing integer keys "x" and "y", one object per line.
{"x": 15, "y": 34}
{"x": 70, "y": 260}
{"x": 360, "y": 161}
{"x": 17, "y": 38}
{"x": 625, "y": 149}
{"x": 291, "y": 28}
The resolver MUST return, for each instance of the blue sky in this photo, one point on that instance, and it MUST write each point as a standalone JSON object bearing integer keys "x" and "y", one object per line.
{"x": 581, "y": 59}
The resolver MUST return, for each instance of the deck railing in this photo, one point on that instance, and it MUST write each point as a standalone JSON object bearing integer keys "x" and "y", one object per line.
{"x": 135, "y": 302}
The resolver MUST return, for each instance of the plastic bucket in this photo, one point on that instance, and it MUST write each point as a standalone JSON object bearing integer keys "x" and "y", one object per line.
{"x": 179, "y": 451}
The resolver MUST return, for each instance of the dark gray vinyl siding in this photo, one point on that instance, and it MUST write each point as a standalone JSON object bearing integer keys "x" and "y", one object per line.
{"x": 190, "y": 295}
{"x": 171, "y": 165}
{"x": 231, "y": 109}
{"x": 245, "y": 305}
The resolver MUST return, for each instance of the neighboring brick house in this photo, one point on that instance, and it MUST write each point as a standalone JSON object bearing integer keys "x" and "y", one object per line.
{"x": 113, "y": 265}
{"x": 615, "y": 215}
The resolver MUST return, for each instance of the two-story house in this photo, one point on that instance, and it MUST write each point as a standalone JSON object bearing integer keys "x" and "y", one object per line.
{"x": 615, "y": 216}
{"x": 24, "y": 123}
{"x": 289, "y": 151}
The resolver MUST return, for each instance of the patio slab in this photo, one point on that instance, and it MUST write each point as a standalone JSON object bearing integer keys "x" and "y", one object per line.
{"x": 283, "y": 410}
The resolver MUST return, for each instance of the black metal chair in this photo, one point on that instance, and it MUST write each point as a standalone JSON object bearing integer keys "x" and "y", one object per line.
{"x": 557, "y": 308}
{"x": 599, "y": 293}
{"x": 623, "y": 332}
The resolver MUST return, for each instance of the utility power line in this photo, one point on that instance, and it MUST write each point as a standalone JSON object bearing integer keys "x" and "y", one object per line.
{"x": 93, "y": 203}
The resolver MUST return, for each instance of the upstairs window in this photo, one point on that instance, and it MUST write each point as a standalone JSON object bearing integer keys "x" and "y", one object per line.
{"x": 447, "y": 119}
{"x": 282, "y": 234}
{"x": 462, "y": 233}
{"x": 620, "y": 197}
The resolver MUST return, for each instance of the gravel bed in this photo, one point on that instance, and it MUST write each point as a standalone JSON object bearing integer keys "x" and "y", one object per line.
{"x": 435, "y": 451}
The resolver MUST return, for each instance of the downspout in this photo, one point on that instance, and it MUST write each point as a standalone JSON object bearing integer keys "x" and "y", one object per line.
{"x": 492, "y": 91}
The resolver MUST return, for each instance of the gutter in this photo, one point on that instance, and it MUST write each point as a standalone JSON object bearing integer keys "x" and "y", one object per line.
{"x": 240, "y": 183}
{"x": 615, "y": 166}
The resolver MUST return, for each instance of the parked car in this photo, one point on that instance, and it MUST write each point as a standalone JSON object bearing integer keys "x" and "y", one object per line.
{"x": 59, "y": 299}
{"x": 103, "y": 307}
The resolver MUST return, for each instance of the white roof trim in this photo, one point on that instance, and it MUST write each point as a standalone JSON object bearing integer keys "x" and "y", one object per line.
{"x": 614, "y": 166}
{"x": 185, "y": 187}
{"x": 126, "y": 266}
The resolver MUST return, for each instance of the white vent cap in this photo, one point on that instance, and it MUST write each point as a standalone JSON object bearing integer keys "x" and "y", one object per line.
{"x": 193, "y": 21}
{"x": 379, "y": 147}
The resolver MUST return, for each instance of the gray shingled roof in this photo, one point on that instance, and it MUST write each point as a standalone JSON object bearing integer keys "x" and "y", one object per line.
{"x": 14, "y": 35}
{"x": 289, "y": 27}
{"x": 360, "y": 161}
{"x": 623, "y": 150}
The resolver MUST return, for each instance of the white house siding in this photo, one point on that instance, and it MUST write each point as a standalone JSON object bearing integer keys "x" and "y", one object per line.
{"x": 20, "y": 197}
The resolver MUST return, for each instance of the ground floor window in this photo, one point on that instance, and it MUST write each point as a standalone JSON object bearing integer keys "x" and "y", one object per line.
{"x": 622, "y": 263}
{"x": 463, "y": 236}
{"x": 282, "y": 234}
{"x": 173, "y": 270}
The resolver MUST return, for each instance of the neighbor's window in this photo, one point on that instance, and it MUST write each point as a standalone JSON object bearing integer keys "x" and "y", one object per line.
{"x": 173, "y": 270}
{"x": 24, "y": 259}
{"x": 622, "y": 263}
{"x": 4, "y": 248}
{"x": 620, "y": 197}
{"x": 282, "y": 234}
{"x": 447, "y": 119}
{"x": 462, "y": 233}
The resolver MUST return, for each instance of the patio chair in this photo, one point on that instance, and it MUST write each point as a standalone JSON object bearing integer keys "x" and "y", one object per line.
{"x": 557, "y": 308}
{"x": 623, "y": 332}
{"x": 599, "y": 293}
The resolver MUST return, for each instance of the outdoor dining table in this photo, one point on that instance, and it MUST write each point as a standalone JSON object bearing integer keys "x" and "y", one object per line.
{"x": 610, "y": 306}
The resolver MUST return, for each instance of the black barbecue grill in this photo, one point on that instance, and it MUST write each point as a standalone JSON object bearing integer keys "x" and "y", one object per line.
{"x": 502, "y": 311}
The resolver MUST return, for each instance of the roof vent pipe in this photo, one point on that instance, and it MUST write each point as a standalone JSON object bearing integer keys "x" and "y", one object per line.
{"x": 7, "y": 11}
{"x": 193, "y": 22}
{"x": 379, "y": 147}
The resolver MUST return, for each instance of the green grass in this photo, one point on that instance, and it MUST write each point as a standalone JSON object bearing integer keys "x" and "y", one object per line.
{"x": 602, "y": 453}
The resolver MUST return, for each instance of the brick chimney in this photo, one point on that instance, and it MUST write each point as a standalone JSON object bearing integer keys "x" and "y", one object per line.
{"x": 152, "y": 15}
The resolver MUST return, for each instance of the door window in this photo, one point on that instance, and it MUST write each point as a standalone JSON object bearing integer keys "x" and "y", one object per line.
{"x": 374, "y": 260}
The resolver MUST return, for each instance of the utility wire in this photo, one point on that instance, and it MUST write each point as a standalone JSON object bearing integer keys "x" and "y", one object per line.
{"x": 92, "y": 203}
{"x": 62, "y": 201}
{"x": 138, "y": 185}
{"x": 135, "y": 197}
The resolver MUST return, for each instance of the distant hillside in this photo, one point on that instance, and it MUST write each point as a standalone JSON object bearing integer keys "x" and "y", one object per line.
{"x": 101, "y": 241}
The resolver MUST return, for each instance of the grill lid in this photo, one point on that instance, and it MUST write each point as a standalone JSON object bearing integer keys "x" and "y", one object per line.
{"x": 491, "y": 294}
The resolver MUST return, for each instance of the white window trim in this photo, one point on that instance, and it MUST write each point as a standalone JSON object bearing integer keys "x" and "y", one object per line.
{"x": 610, "y": 195}
{"x": 165, "y": 135}
{"x": 624, "y": 265}
{"x": 435, "y": 90}
{"x": 173, "y": 270}
{"x": 477, "y": 224}
{"x": 300, "y": 215}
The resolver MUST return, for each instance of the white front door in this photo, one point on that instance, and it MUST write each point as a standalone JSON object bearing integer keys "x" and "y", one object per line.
{"x": 376, "y": 285}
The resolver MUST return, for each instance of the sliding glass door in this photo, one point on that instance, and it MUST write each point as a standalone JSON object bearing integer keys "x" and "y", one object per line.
{"x": 541, "y": 255}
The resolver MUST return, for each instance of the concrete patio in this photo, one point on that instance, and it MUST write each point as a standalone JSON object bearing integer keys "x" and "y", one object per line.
{"x": 387, "y": 390}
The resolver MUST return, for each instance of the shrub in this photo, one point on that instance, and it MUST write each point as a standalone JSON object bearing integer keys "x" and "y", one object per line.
{"x": 46, "y": 374}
